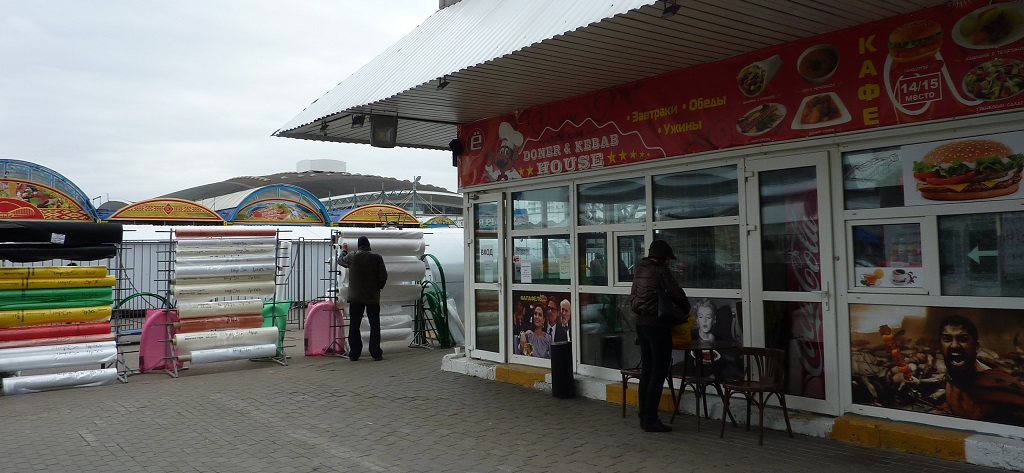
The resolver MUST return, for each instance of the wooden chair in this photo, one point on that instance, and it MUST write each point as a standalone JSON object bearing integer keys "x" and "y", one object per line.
{"x": 764, "y": 375}
{"x": 634, "y": 373}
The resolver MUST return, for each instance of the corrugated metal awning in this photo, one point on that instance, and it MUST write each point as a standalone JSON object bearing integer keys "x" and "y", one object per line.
{"x": 500, "y": 56}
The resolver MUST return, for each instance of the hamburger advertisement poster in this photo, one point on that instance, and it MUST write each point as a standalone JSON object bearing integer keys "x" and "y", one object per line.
{"x": 963, "y": 59}
{"x": 980, "y": 168}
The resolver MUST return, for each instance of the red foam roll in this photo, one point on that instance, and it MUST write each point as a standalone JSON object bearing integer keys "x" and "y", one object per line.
{"x": 208, "y": 232}
{"x": 68, "y": 340}
{"x": 216, "y": 322}
{"x": 54, "y": 331}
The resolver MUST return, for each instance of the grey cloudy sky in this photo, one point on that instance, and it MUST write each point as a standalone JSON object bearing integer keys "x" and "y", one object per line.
{"x": 135, "y": 99}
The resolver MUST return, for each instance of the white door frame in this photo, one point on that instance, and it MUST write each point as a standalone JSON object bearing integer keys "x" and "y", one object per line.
{"x": 814, "y": 355}
{"x": 494, "y": 279}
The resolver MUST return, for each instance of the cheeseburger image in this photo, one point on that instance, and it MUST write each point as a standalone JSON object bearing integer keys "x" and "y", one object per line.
{"x": 915, "y": 40}
{"x": 968, "y": 169}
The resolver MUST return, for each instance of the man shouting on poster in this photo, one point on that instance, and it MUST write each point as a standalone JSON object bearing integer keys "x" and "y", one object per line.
{"x": 973, "y": 389}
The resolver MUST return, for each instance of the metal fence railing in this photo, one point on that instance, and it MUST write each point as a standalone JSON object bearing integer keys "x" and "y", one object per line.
{"x": 142, "y": 270}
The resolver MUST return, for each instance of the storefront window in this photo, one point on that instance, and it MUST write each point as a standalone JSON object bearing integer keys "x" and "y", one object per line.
{"x": 706, "y": 257}
{"x": 621, "y": 201}
{"x": 542, "y": 260}
{"x": 485, "y": 242}
{"x": 593, "y": 258}
{"x": 790, "y": 250}
{"x": 887, "y": 255}
{"x": 696, "y": 194}
{"x": 607, "y": 334}
{"x": 629, "y": 250}
{"x": 982, "y": 254}
{"x": 873, "y": 179}
{"x": 797, "y": 328}
{"x": 540, "y": 318}
{"x": 541, "y": 208}
{"x": 487, "y": 335}
{"x": 955, "y": 362}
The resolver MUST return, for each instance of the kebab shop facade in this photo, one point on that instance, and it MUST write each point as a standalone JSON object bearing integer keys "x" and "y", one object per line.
{"x": 850, "y": 201}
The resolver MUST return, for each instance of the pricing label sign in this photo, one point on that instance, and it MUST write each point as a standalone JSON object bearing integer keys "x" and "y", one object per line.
{"x": 919, "y": 89}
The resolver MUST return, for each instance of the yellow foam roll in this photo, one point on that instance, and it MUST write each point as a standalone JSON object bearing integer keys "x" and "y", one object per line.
{"x": 48, "y": 283}
{"x": 53, "y": 272}
{"x": 22, "y": 318}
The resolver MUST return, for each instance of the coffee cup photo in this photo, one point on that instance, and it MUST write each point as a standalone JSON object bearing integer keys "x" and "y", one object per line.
{"x": 902, "y": 276}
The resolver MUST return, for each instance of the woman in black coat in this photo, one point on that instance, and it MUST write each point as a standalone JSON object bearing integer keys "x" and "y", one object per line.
{"x": 655, "y": 335}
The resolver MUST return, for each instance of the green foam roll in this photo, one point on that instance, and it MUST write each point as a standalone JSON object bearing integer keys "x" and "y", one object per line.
{"x": 13, "y": 298}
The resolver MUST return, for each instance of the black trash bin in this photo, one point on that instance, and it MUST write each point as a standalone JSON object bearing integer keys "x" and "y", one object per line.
{"x": 562, "y": 384}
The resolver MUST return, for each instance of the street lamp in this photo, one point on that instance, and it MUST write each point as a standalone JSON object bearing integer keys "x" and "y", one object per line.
{"x": 415, "y": 181}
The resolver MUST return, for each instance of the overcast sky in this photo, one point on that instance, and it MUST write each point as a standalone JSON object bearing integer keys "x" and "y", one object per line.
{"x": 134, "y": 99}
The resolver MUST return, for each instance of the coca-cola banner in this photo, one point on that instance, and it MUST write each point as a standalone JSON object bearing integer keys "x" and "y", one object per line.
{"x": 958, "y": 362}
{"x": 942, "y": 62}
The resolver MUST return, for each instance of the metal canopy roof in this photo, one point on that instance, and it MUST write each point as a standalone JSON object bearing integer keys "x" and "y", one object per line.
{"x": 501, "y": 56}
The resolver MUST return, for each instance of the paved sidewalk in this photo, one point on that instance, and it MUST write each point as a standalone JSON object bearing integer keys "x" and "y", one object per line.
{"x": 327, "y": 414}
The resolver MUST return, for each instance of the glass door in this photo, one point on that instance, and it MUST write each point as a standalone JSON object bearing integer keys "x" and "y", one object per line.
{"x": 790, "y": 246}
{"x": 486, "y": 300}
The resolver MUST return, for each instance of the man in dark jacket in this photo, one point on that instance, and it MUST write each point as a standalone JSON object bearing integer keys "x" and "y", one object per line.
{"x": 367, "y": 276}
{"x": 655, "y": 335}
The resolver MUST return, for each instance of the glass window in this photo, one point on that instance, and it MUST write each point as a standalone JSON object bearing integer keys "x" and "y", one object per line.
{"x": 541, "y": 208}
{"x": 542, "y": 260}
{"x": 982, "y": 254}
{"x": 696, "y": 194}
{"x": 487, "y": 330}
{"x": 622, "y": 201}
{"x": 607, "y": 334}
{"x": 629, "y": 250}
{"x": 887, "y": 255}
{"x": 485, "y": 242}
{"x": 790, "y": 253}
{"x": 797, "y": 328}
{"x": 593, "y": 259}
{"x": 706, "y": 257}
{"x": 873, "y": 179}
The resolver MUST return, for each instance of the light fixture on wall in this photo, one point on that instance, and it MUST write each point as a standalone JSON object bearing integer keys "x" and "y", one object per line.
{"x": 323, "y": 128}
{"x": 671, "y": 8}
{"x": 358, "y": 120}
{"x": 383, "y": 130}
{"x": 442, "y": 82}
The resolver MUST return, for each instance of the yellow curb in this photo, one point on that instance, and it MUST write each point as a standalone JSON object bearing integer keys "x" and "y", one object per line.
{"x": 518, "y": 374}
{"x": 905, "y": 437}
{"x": 613, "y": 394}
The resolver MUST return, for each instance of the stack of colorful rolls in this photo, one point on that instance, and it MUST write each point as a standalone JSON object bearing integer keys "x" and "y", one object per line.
{"x": 221, "y": 277}
{"x": 54, "y": 317}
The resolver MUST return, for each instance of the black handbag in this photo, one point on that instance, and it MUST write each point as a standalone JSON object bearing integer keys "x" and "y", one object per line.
{"x": 668, "y": 311}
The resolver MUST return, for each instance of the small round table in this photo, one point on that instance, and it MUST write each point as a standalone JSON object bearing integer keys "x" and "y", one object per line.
{"x": 700, "y": 379}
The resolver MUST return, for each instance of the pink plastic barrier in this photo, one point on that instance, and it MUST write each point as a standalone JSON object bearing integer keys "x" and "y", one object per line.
{"x": 324, "y": 332}
{"x": 153, "y": 342}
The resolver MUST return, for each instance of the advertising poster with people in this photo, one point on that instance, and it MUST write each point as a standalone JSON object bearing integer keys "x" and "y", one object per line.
{"x": 538, "y": 320}
{"x": 942, "y": 62}
{"x": 957, "y": 362}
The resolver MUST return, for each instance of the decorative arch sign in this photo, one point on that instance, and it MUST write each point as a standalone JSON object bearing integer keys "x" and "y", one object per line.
{"x": 166, "y": 209}
{"x": 379, "y": 215}
{"x": 27, "y": 200}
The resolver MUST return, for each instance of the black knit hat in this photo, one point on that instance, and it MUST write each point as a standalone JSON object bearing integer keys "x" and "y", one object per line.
{"x": 661, "y": 250}
{"x": 363, "y": 243}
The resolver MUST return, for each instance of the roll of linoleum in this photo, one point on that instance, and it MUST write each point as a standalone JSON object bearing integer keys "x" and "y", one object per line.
{"x": 188, "y": 310}
{"x": 227, "y": 354}
{"x": 57, "y": 356}
{"x": 193, "y": 341}
{"x": 50, "y": 382}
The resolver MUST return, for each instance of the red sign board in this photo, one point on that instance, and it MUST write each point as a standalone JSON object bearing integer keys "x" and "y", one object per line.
{"x": 937, "y": 63}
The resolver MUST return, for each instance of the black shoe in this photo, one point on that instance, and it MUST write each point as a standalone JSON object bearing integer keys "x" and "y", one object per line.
{"x": 353, "y": 359}
{"x": 378, "y": 358}
{"x": 659, "y": 427}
